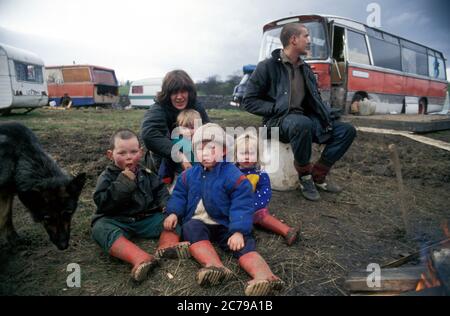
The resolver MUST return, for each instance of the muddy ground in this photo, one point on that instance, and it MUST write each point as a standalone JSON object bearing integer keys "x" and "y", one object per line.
{"x": 339, "y": 234}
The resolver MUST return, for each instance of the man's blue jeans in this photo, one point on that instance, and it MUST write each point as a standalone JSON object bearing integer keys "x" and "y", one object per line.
{"x": 298, "y": 130}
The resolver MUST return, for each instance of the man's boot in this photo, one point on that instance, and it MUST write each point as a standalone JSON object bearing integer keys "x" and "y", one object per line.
{"x": 269, "y": 222}
{"x": 309, "y": 190}
{"x": 264, "y": 282}
{"x": 141, "y": 261}
{"x": 170, "y": 247}
{"x": 319, "y": 174}
{"x": 213, "y": 271}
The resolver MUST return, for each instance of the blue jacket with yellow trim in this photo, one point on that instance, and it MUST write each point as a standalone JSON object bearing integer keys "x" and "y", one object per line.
{"x": 227, "y": 196}
{"x": 261, "y": 186}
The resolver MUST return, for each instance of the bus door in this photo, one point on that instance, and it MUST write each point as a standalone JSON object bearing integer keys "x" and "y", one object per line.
{"x": 338, "y": 66}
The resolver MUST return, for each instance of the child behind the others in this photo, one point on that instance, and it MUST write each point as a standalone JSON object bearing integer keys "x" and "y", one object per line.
{"x": 246, "y": 153}
{"x": 214, "y": 202}
{"x": 187, "y": 122}
{"x": 130, "y": 201}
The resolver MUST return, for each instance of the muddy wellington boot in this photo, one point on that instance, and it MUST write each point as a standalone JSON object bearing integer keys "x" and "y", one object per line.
{"x": 141, "y": 261}
{"x": 213, "y": 271}
{"x": 170, "y": 247}
{"x": 264, "y": 282}
{"x": 263, "y": 218}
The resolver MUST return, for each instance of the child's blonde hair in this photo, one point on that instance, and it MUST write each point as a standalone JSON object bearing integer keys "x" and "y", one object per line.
{"x": 247, "y": 140}
{"x": 187, "y": 118}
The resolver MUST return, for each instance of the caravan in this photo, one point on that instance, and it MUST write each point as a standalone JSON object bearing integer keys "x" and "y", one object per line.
{"x": 143, "y": 92}
{"x": 22, "y": 83}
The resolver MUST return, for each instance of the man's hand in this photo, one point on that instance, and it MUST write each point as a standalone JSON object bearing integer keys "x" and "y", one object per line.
{"x": 129, "y": 174}
{"x": 236, "y": 241}
{"x": 170, "y": 222}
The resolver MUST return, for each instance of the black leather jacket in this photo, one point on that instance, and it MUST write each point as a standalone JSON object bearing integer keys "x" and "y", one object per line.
{"x": 268, "y": 94}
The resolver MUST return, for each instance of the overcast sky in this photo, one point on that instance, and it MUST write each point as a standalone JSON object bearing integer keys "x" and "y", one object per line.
{"x": 141, "y": 39}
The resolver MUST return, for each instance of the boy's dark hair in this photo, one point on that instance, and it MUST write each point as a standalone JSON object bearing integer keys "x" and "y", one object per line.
{"x": 123, "y": 133}
{"x": 289, "y": 30}
{"x": 174, "y": 81}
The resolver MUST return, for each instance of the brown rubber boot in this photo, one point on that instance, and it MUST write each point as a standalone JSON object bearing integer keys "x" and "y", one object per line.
{"x": 264, "y": 282}
{"x": 141, "y": 261}
{"x": 170, "y": 247}
{"x": 213, "y": 271}
{"x": 269, "y": 222}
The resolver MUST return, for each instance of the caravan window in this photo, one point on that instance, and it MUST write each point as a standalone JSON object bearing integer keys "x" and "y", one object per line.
{"x": 105, "y": 77}
{"x": 30, "y": 73}
{"x": 137, "y": 89}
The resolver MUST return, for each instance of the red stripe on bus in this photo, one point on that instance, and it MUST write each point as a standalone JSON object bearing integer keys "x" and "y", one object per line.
{"x": 387, "y": 83}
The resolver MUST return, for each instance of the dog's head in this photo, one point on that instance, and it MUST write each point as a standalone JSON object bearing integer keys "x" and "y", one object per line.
{"x": 53, "y": 204}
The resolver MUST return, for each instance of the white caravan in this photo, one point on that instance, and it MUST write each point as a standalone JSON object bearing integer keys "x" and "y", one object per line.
{"x": 143, "y": 92}
{"x": 22, "y": 83}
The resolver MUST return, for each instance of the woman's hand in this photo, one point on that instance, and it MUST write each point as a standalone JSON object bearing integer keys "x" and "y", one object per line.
{"x": 170, "y": 222}
{"x": 186, "y": 165}
{"x": 236, "y": 241}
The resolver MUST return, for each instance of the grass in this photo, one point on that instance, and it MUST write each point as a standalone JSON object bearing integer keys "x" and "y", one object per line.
{"x": 92, "y": 120}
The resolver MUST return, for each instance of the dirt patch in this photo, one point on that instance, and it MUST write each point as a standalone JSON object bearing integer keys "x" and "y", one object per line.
{"x": 339, "y": 234}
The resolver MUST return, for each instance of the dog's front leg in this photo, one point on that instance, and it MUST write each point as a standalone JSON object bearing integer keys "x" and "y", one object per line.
{"x": 6, "y": 225}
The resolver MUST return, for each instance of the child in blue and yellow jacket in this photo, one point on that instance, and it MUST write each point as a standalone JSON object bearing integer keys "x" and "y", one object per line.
{"x": 214, "y": 202}
{"x": 246, "y": 157}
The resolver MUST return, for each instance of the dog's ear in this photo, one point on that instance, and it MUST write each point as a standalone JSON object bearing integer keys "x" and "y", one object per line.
{"x": 76, "y": 185}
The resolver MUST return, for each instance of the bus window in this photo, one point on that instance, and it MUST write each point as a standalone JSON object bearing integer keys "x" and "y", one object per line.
{"x": 319, "y": 50}
{"x": 385, "y": 54}
{"x": 436, "y": 66}
{"x": 357, "y": 48}
{"x": 414, "y": 62}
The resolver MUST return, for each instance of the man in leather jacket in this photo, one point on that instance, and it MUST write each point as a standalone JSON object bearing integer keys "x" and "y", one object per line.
{"x": 283, "y": 89}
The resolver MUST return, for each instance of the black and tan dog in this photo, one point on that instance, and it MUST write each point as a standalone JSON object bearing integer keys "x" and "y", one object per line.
{"x": 46, "y": 190}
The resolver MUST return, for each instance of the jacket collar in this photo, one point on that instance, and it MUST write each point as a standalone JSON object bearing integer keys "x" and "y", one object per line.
{"x": 276, "y": 54}
{"x": 216, "y": 170}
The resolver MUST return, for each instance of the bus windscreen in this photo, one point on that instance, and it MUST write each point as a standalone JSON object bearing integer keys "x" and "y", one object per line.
{"x": 318, "y": 50}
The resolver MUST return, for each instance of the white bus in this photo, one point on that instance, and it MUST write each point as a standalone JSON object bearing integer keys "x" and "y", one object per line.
{"x": 143, "y": 92}
{"x": 22, "y": 82}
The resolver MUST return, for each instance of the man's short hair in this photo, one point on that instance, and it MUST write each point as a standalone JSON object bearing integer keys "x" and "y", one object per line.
{"x": 123, "y": 133}
{"x": 289, "y": 30}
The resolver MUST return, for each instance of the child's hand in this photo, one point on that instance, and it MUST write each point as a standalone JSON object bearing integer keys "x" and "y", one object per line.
{"x": 129, "y": 174}
{"x": 170, "y": 222}
{"x": 236, "y": 241}
{"x": 186, "y": 165}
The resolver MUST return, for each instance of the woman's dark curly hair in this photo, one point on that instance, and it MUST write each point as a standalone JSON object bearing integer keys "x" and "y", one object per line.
{"x": 174, "y": 81}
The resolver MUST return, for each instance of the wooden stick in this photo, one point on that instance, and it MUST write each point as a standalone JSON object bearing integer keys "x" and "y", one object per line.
{"x": 391, "y": 280}
{"x": 401, "y": 188}
{"x": 406, "y": 259}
